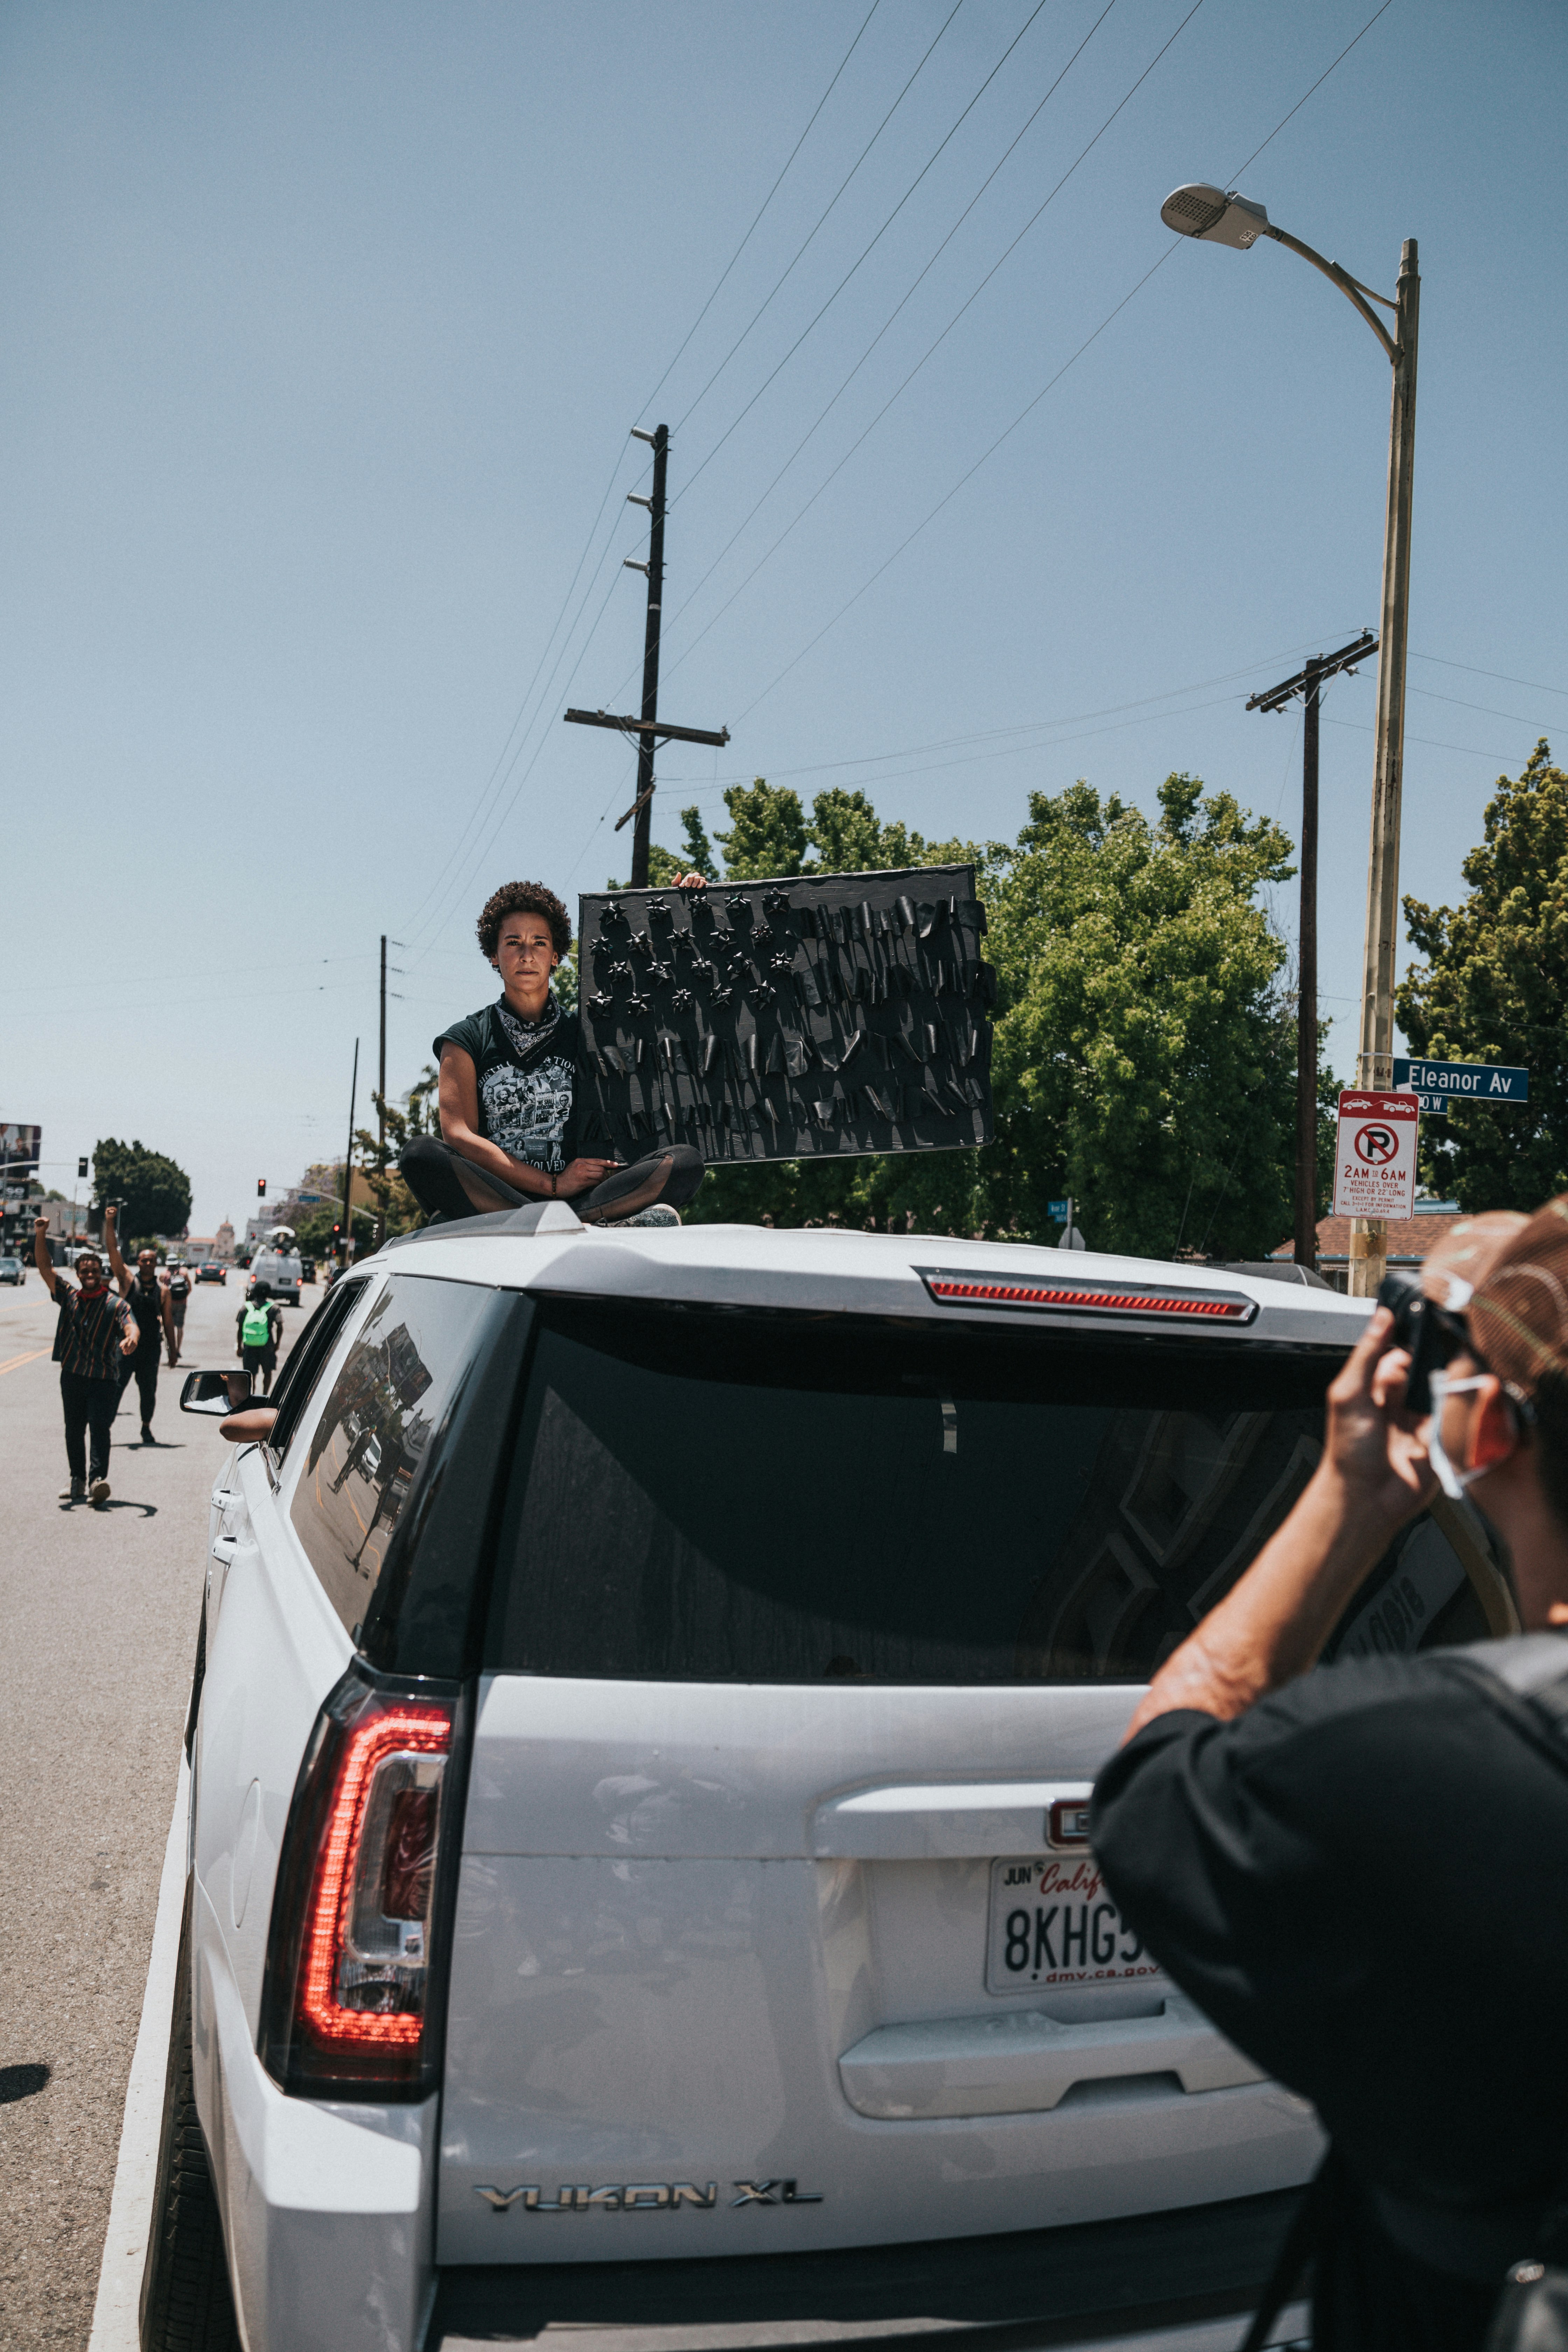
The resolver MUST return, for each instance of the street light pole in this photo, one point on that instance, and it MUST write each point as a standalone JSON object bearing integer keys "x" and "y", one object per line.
{"x": 1219, "y": 216}
{"x": 1369, "y": 1236}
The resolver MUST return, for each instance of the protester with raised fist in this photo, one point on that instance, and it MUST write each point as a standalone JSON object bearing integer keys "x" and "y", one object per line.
{"x": 95, "y": 1333}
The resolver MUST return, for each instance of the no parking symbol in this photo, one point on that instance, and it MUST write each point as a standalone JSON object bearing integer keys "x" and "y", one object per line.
{"x": 1374, "y": 1160}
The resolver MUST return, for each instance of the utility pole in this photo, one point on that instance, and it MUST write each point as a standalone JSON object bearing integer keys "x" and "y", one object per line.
{"x": 381, "y": 1110}
{"x": 1309, "y": 683}
{"x": 647, "y": 728}
{"x": 1369, "y": 1236}
{"x": 642, "y": 829}
{"x": 348, "y": 1164}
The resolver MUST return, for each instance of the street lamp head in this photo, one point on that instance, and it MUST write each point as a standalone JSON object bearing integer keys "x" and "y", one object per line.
{"x": 1219, "y": 215}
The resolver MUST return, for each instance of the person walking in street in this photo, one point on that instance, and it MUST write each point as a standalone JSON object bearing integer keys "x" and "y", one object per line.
{"x": 1361, "y": 1874}
{"x": 95, "y": 1333}
{"x": 178, "y": 1287}
{"x": 258, "y": 1328}
{"x": 147, "y": 1298}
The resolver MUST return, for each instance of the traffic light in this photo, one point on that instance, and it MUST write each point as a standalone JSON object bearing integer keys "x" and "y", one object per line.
{"x": 80, "y": 1169}
{"x": 261, "y": 1188}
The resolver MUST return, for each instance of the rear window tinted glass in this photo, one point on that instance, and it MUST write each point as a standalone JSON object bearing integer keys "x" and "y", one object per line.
{"x": 777, "y": 1499}
{"x": 375, "y": 1441}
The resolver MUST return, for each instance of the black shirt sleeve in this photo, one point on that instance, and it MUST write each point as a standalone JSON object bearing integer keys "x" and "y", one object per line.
{"x": 1338, "y": 1878}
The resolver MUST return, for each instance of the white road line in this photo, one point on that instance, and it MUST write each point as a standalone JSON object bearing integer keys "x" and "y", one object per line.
{"x": 115, "y": 2313}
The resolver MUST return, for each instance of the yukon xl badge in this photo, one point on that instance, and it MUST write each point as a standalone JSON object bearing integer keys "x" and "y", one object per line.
{"x": 645, "y": 2197}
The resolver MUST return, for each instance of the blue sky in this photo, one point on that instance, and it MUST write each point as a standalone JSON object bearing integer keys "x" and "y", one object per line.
{"x": 325, "y": 328}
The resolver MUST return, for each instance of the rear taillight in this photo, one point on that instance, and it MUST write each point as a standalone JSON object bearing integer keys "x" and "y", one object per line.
{"x": 347, "y": 2002}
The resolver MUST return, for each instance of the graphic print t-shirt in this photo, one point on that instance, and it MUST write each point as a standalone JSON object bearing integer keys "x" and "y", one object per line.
{"x": 527, "y": 1074}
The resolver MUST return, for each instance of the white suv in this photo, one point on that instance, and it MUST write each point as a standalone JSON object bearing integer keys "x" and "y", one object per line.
{"x": 648, "y": 1690}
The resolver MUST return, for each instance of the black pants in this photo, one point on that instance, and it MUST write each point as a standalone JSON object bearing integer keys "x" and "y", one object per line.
{"x": 440, "y": 1180}
{"x": 89, "y": 1404}
{"x": 144, "y": 1364}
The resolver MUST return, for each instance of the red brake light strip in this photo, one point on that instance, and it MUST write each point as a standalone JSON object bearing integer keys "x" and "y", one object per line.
{"x": 428, "y": 1731}
{"x": 1217, "y": 1306}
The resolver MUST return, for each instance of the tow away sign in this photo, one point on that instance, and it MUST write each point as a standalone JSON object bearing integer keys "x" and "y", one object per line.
{"x": 1374, "y": 1160}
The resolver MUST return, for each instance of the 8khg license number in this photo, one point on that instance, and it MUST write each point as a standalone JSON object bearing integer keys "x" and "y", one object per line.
{"x": 1052, "y": 1922}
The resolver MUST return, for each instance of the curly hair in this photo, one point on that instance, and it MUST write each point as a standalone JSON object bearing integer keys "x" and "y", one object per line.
{"x": 523, "y": 898}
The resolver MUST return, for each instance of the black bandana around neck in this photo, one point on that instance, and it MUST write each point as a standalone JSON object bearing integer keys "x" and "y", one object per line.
{"x": 525, "y": 1035}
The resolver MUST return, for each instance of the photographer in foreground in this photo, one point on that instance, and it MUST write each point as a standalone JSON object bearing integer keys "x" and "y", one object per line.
{"x": 1362, "y": 1875}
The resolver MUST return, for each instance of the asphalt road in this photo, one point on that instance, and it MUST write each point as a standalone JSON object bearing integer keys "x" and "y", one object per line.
{"x": 99, "y": 1610}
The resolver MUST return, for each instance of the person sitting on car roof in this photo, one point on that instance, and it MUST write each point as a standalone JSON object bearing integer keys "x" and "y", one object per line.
{"x": 1362, "y": 1875}
{"x": 508, "y": 1091}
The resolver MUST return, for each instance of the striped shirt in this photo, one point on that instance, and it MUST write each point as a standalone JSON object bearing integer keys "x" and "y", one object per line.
{"x": 88, "y": 1333}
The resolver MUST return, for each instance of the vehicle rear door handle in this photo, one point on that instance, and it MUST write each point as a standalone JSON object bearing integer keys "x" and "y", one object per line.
{"x": 1021, "y": 2061}
{"x": 224, "y": 1498}
{"x": 223, "y": 1549}
{"x": 953, "y": 1821}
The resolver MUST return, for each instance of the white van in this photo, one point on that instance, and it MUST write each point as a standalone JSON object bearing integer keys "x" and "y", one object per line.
{"x": 282, "y": 1271}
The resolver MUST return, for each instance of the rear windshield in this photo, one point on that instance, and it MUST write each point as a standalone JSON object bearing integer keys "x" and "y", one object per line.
{"x": 731, "y": 1495}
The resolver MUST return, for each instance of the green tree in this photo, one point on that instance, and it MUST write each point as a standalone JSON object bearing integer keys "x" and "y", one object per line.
{"x": 1143, "y": 1059}
{"x": 313, "y": 1234}
{"x": 155, "y": 1192}
{"x": 767, "y": 832}
{"x": 1492, "y": 990}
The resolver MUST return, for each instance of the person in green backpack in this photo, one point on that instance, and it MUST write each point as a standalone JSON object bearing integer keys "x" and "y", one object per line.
{"x": 258, "y": 1328}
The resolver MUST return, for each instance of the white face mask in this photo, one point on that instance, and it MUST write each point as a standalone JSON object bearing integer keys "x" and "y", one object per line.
{"x": 1452, "y": 1481}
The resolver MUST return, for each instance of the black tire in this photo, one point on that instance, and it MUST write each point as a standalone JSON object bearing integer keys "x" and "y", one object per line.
{"x": 186, "y": 2301}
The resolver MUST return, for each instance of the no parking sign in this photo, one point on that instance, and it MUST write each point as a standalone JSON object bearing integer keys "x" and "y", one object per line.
{"x": 1374, "y": 1157}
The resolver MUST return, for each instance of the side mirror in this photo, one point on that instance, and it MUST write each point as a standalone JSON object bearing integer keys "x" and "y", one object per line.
{"x": 217, "y": 1393}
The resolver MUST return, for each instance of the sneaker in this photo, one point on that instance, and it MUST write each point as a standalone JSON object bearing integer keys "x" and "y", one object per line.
{"x": 74, "y": 1493}
{"x": 147, "y": 1436}
{"x": 98, "y": 1493}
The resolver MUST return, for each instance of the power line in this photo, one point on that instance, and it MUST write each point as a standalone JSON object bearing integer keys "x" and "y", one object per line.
{"x": 767, "y": 200}
{"x": 933, "y": 349}
{"x": 904, "y": 300}
{"x": 1301, "y": 101}
{"x": 867, "y": 249}
{"x": 837, "y": 193}
{"x": 1077, "y": 355}
{"x": 503, "y": 766}
{"x": 1535, "y": 683}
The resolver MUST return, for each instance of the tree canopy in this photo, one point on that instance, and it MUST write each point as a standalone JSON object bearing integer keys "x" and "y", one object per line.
{"x": 1492, "y": 988}
{"x": 155, "y": 1192}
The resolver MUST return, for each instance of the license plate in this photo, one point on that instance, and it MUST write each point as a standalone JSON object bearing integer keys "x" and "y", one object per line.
{"x": 1054, "y": 1923}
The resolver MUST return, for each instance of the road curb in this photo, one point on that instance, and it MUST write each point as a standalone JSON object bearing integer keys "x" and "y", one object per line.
{"x": 115, "y": 2326}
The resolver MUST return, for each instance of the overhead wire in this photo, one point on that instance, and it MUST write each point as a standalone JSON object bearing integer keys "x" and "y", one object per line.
{"x": 899, "y": 306}
{"x": 1066, "y": 364}
{"x": 934, "y": 346}
{"x": 762, "y": 208}
{"x": 865, "y": 253}
{"x": 822, "y": 217}
{"x": 503, "y": 766}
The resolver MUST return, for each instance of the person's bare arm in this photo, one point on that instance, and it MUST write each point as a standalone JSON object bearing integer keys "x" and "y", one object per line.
{"x": 458, "y": 1103}
{"x": 1272, "y": 1625}
{"x": 41, "y": 1257}
{"x": 117, "y": 1266}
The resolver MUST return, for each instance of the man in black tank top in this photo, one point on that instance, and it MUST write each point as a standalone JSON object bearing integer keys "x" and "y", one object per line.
{"x": 1362, "y": 1874}
{"x": 149, "y": 1303}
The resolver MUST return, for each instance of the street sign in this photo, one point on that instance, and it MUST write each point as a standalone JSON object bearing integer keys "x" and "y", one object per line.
{"x": 1430, "y": 1105}
{"x": 1487, "y": 1082}
{"x": 1375, "y": 1155}
{"x": 1057, "y": 1210}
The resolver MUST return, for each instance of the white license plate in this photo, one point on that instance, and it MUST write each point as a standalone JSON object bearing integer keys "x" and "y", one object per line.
{"x": 1053, "y": 1922}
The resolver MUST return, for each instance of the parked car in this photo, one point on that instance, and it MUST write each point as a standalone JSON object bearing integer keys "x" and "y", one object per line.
{"x": 12, "y": 1270}
{"x": 648, "y": 1693}
{"x": 210, "y": 1270}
